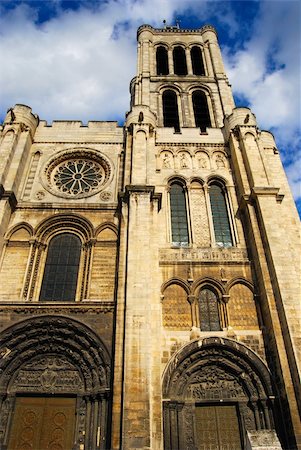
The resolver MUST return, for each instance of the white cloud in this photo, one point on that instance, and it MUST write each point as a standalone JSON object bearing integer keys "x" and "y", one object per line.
{"x": 266, "y": 72}
{"x": 78, "y": 64}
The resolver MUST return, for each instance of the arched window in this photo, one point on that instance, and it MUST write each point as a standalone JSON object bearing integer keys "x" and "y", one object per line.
{"x": 162, "y": 61}
{"x": 221, "y": 223}
{"x": 208, "y": 308}
{"x": 170, "y": 110}
{"x": 201, "y": 111}
{"x": 178, "y": 213}
{"x": 197, "y": 61}
{"x": 179, "y": 61}
{"x": 61, "y": 268}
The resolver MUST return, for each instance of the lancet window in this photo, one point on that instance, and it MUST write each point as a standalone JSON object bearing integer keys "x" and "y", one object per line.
{"x": 179, "y": 61}
{"x": 197, "y": 61}
{"x": 220, "y": 216}
{"x": 61, "y": 268}
{"x": 162, "y": 61}
{"x": 170, "y": 110}
{"x": 201, "y": 110}
{"x": 178, "y": 215}
{"x": 208, "y": 310}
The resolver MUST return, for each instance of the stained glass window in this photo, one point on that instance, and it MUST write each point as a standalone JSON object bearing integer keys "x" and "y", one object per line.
{"x": 179, "y": 225}
{"x": 61, "y": 268}
{"x": 208, "y": 307}
{"x": 197, "y": 61}
{"x": 201, "y": 111}
{"x": 221, "y": 224}
{"x": 78, "y": 176}
{"x": 162, "y": 61}
{"x": 170, "y": 110}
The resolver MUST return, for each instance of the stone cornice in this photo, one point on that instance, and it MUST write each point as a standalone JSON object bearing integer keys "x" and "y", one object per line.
{"x": 175, "y": 29}
{"x": 141, "y": 189}
{"x": 35, "y": 308}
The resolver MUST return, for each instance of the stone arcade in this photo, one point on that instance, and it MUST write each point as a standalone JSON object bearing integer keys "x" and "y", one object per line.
{"x": 150, "y": 274}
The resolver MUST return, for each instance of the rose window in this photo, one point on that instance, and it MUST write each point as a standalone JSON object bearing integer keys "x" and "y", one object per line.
{"x": 77, "y": 173}
{"x": 78, "y": 176}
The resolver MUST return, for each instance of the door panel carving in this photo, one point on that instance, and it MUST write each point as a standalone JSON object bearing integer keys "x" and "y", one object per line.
{"x": 217, "y": 428}
{"x": 41, "y": 423}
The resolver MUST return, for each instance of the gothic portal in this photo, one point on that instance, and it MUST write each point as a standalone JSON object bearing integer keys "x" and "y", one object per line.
{"x": 150, "y": 276}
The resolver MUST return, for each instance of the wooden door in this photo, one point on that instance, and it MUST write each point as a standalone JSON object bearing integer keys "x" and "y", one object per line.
{"x": 217, "y": 428}
{"x": 43, "y": 423}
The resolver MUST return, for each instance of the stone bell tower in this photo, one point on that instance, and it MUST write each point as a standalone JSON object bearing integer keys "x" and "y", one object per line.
{"x": 207, "y": 334}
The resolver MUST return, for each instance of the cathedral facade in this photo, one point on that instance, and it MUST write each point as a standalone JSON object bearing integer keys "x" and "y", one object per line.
{"x": 150, "y": 274}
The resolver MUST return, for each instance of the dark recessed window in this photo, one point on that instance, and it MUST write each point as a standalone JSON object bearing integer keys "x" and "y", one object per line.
{"x": 201, "y": 111}
{"x": 170, "y": 110}
{"x": 61, "y": 268}
{"x": 208, "y": 307}
{"x": 221, "y": 224}
{"x": 179, "y": 61}
{"x": 197, "y": 61}
{"x": 178, "y": 212}
{"x": 162, "y": 61}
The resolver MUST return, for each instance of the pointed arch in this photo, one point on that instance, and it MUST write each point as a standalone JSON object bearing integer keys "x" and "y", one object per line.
{"x": 20, "y": 226}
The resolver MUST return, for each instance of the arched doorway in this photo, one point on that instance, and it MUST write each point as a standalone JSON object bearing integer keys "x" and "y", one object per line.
{"x": 55, "y": 379}
{"x": 217, "y": 394}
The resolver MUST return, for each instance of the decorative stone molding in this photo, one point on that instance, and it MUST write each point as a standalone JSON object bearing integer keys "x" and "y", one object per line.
{"x": 174, "y": 256}
{"x": 77, "y": 173}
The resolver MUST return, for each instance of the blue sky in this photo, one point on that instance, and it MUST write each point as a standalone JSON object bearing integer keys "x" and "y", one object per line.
{"x": 74, "y": 59}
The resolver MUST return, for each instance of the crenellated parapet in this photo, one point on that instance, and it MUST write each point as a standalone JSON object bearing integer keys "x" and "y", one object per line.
{"x": 21, "y": 117}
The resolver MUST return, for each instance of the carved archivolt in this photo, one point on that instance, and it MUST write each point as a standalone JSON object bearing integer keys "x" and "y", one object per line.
{"x": 208, "y": 371}
{"x": 216, "y": 368}
{"x": 56, "y": 354}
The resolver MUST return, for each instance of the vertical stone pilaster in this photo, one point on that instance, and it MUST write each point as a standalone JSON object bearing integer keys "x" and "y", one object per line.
{"x": 141, "y": 322}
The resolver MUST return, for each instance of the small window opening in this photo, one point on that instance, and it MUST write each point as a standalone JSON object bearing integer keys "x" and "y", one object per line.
{"x": 197, "y": 61}
{"x": 162, "y": 61}
{"x": 179, "y": 60}
{"x": 201, "y": 111}
{"x": 208, "y": 307}
{"x": 170, "y": 110}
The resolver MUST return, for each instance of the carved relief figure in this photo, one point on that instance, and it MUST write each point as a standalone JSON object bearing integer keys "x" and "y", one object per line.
{"x": 183, "y": 161}
{"x": 220, "y": 161}
{"x": 166, "y": 161}
{"x": 202, "y": 163}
